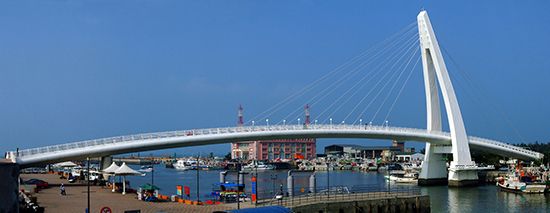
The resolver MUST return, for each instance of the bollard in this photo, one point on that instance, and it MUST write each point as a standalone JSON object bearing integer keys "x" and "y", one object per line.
{"x": 222, "y": 176}
{"x": 290, "y": 183}
{"x": 312, "y": 183}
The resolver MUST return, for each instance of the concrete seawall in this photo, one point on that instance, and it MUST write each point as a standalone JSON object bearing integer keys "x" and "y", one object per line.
{"x": 415, "y": 204}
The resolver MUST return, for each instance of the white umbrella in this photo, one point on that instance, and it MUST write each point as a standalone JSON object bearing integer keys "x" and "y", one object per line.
{"x": 65, "y": 164}
{"x": 124, "y": 171}
{"x": 111, "y": 170}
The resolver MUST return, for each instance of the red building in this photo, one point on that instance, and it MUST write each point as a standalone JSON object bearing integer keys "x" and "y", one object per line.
{"x": 274, "y": 149}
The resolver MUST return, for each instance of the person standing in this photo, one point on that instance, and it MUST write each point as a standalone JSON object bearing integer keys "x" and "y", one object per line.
{"x": 62, "y": 189}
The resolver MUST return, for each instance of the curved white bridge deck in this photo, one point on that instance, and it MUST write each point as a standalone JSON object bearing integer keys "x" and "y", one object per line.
{"x": 197, "y": 137}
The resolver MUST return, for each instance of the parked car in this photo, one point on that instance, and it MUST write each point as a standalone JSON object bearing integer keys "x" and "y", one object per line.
{"x": 39, "y": 183}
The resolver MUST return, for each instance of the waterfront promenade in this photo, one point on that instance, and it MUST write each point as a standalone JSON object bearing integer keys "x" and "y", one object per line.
{"x": 76, "y": 199}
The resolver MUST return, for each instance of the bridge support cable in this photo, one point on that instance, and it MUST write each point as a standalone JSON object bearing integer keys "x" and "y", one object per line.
{"x": 336, "y": 84}
{"x": 478, "y": 94}
{"x": 393, "y": 87}
{"x": 411, "y": 50}
{"x": 331, "y": 88}
{"x": 409, "y": 28}
{"x": 377, "y": 70}
{"x": 412, "y": 45}
{"x": 401, "y": 89}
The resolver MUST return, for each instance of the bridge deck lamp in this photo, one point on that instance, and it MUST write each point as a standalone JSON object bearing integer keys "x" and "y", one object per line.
{"x": 386, "y": 123}
{"x": 298, "y": 121}
{"x": 267, "y": 122}
{"x": 360, "y": 122}
{"x": 252, "y": 123}
{"x": 284, "y": 122}
{"x": 315, "y": 121}
{"x": 330, "y": 122}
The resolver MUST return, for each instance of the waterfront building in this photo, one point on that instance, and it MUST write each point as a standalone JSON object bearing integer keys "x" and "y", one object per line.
{"x": 408, "y": 157}
{"x": 280, "y": 149}
{"x": 371, "y": 152}
{"x": 288, "y": 149}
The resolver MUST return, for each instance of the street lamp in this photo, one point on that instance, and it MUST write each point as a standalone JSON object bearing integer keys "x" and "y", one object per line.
{"x": 316, "y": 122}
{"x": 386, "y": 123}
{"x": 284, "y": 121}
{"x": 370, "y": 123}
{"x": 252, "y": 123}
{"x": 267, "y": 121}
{"x": 360, "y": 122}
{"x": 343, "y": 122}
{"x": 298, "y": 121}
{"x": 328, "y": 178}
{"x": 330, "y": 122}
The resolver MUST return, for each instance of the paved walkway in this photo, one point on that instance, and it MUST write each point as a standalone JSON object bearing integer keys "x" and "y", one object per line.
{"x": 76, "y": 199}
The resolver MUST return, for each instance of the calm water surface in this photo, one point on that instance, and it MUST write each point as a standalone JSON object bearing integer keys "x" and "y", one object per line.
{"x": 443, "y": 199}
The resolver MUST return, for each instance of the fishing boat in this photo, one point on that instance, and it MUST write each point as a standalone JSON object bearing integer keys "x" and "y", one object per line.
{"x": 148, "y": 168}
{"x": 522, "y": 185}
{"x": 399, "y": 177}
{"x": 184, "y": 165}
{"x": 258, "y": 165}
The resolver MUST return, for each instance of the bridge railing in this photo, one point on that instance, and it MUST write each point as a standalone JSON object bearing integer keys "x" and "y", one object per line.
{"x": 507, "y": 146}
{"x": 195, "y": 132}
{"x": 334, "y": 193}
{"x": 244, "y": 129}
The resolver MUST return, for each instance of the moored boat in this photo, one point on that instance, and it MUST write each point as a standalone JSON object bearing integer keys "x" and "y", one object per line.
{"x": 399, "y": 177}
{"x": 521, "y": 185}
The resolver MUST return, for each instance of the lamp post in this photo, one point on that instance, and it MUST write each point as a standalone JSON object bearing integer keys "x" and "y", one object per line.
{"x": 198, "y": 167}
{"x": 330, "y": 120}
{"x": 88, "y": 183}
{"x": 284, "y": 122}
{"x": 386, "y": 122}
{"x": 267, "y": 122}
{"x": 252, "y": 123}
{"x": 273, "y": 179}
{"x": 315, "y": 122}
{"x": 298, "y": 121}
{"x": 360, "y": 122}
{"x": 152, "y": 174}
{"x": 238, "y": 185}
{"x": 328, "y": 179}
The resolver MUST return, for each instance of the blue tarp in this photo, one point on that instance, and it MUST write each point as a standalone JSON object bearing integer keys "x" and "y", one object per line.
{"x": 274, "y": 209}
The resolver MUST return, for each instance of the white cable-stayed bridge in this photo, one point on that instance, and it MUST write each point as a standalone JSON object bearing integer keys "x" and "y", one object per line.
{"x": 389, "y": 66}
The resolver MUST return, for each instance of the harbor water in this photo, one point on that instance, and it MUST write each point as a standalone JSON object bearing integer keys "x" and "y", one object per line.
{"x": 485, "y": 198}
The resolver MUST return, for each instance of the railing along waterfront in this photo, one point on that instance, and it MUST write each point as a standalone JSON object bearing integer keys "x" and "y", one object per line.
{"x": 339, "y": 193}
{"x": 248, "y": 129}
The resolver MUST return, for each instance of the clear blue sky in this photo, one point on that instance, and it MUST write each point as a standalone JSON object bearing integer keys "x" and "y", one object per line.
{"x": 76, "y": 70}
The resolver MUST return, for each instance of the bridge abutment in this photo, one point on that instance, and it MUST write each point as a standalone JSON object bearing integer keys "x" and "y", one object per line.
{"x": 463, "y": 175}
{"x": 105, "y": 162}
{"x": 434, "y": 168}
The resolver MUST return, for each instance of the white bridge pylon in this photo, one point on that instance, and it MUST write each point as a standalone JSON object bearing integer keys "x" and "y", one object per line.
{"x": 462, "y": 169}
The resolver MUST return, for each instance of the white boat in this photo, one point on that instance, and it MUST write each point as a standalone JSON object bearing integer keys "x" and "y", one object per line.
{"x": 146, "y": 169}
{"x": 184, "y": 164}
{"x": 259, "y": 165}
{"x": 402, "y": 178}
{"x": 513, "y": 184}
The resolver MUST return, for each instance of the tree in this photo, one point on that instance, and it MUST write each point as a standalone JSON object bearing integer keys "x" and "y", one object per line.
{"x": 228, "y": 156}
